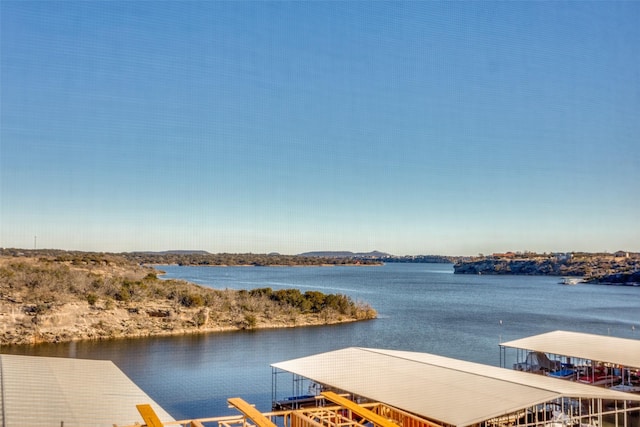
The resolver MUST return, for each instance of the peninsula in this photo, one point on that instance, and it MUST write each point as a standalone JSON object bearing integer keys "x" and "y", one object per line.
{"x": 56, "y": 296}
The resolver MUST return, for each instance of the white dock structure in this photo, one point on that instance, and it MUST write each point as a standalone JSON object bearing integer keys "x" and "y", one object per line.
{"x": 351, "y": 387}
{"x": 454, "y": 393}
{"x": 592, "y": 359}
{"x": 601, "y": 348}
{"x": 64, "y": 392}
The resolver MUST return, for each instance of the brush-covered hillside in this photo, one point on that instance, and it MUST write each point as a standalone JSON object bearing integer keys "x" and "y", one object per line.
{"x": 75, "y": 296}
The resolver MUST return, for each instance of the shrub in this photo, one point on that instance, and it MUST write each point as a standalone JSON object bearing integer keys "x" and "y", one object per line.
{"x": 97, "y": 283}
{"x": 200, "y": 319}
{"x": 92, "y": 299}
{"x": 260, "y": 292}
{"x": 124, "y": 293}
{"x": 291, "y": 297}
{"x": 191, "y": 300}
{"x": 340, "y": 303}
{"x": 316, "y": 300}
{"x": 150, "y": 277}
{"x": 250, "y": 321}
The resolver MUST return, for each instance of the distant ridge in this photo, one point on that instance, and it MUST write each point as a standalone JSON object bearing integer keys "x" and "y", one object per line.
{"x": 173, "y": 252}
{"x": 345, "y": 254}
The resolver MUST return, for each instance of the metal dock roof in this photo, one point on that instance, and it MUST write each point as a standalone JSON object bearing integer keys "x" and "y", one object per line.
{"x": 451, "y": 391}
{"x": 51, "y": 391}
{"x": 619, "y": 351}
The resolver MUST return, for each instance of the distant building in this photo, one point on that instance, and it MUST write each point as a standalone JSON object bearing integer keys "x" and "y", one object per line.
{"x": 509, "y": 255}
{"x": 562, "y": 256}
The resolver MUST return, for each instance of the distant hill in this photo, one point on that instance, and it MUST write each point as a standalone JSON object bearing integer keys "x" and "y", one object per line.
{"x": 173, "y": 252}
{"x": 345, "y": 254}
{"x": 431, "y": 259}
{"x": 258, "y": 260}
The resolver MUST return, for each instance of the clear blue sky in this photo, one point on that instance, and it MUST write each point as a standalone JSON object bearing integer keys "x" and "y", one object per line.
{"x": 406, "y": 127}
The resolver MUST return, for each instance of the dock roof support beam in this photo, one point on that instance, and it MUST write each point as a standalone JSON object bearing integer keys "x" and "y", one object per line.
{"x": 358, "y": 410}
{"x": 250, "y": 412}
{"x": 149, "y": 416}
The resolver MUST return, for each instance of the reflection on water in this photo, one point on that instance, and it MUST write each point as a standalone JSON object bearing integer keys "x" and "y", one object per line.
{"x": 422, "y": 307}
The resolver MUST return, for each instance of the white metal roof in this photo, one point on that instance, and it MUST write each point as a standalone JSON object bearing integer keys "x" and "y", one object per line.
{"x": 451, "y": 391}
{"x": 48, "y": 391}
{"x": 620, "y": 351}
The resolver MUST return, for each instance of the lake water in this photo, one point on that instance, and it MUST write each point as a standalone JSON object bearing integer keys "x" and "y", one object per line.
{"x": 421, "y": 307}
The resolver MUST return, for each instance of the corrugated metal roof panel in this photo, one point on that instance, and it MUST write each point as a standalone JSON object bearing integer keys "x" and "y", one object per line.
{"x": 448, "y": 390}
{"x": 619, "y": 351}
{"x": 45, "y": 391}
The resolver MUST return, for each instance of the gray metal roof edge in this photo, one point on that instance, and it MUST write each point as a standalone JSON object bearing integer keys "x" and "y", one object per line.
{"x": 512, "y": 410}
{"x": 513, "y": 343}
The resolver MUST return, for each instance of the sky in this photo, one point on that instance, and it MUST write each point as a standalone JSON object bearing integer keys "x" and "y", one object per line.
{"x": 452, "y": 128}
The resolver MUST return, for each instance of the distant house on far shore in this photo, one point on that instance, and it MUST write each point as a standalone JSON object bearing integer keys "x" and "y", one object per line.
{"x": 509, "y": 255}
{"x": 562, "y": 256}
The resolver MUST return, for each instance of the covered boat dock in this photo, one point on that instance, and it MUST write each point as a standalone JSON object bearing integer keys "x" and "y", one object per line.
{"x": 591, "y": 359}
{"x": 424, "y": 390}
{"x": 365, "y": 387}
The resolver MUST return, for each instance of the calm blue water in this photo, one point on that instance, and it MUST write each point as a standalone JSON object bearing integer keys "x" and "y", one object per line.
{"x": 421, "y": 307}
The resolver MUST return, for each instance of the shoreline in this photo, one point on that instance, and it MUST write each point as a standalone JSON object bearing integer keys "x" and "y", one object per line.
{"x": 37, "y": 340}
{"x": 73, "y": 323}
{"x": 263, "y": 266}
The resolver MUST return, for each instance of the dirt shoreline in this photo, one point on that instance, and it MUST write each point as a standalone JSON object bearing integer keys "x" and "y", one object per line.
{"x": 79, "y": 322}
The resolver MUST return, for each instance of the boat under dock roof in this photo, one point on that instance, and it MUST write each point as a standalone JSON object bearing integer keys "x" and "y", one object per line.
{"x": 449, "y": 391}
{"x": 618, "y": 351}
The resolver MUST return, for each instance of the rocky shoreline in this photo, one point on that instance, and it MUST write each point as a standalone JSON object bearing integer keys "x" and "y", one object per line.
{"x": 77, "y": 322}
{"x": 630, "y": 278}
{"x": 619, "y": 268}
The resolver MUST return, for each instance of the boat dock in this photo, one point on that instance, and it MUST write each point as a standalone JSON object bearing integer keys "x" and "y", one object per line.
{"x": 351, "y": 387}
{"x": 586, "y": 358}
{"x": 365, "y": 387}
